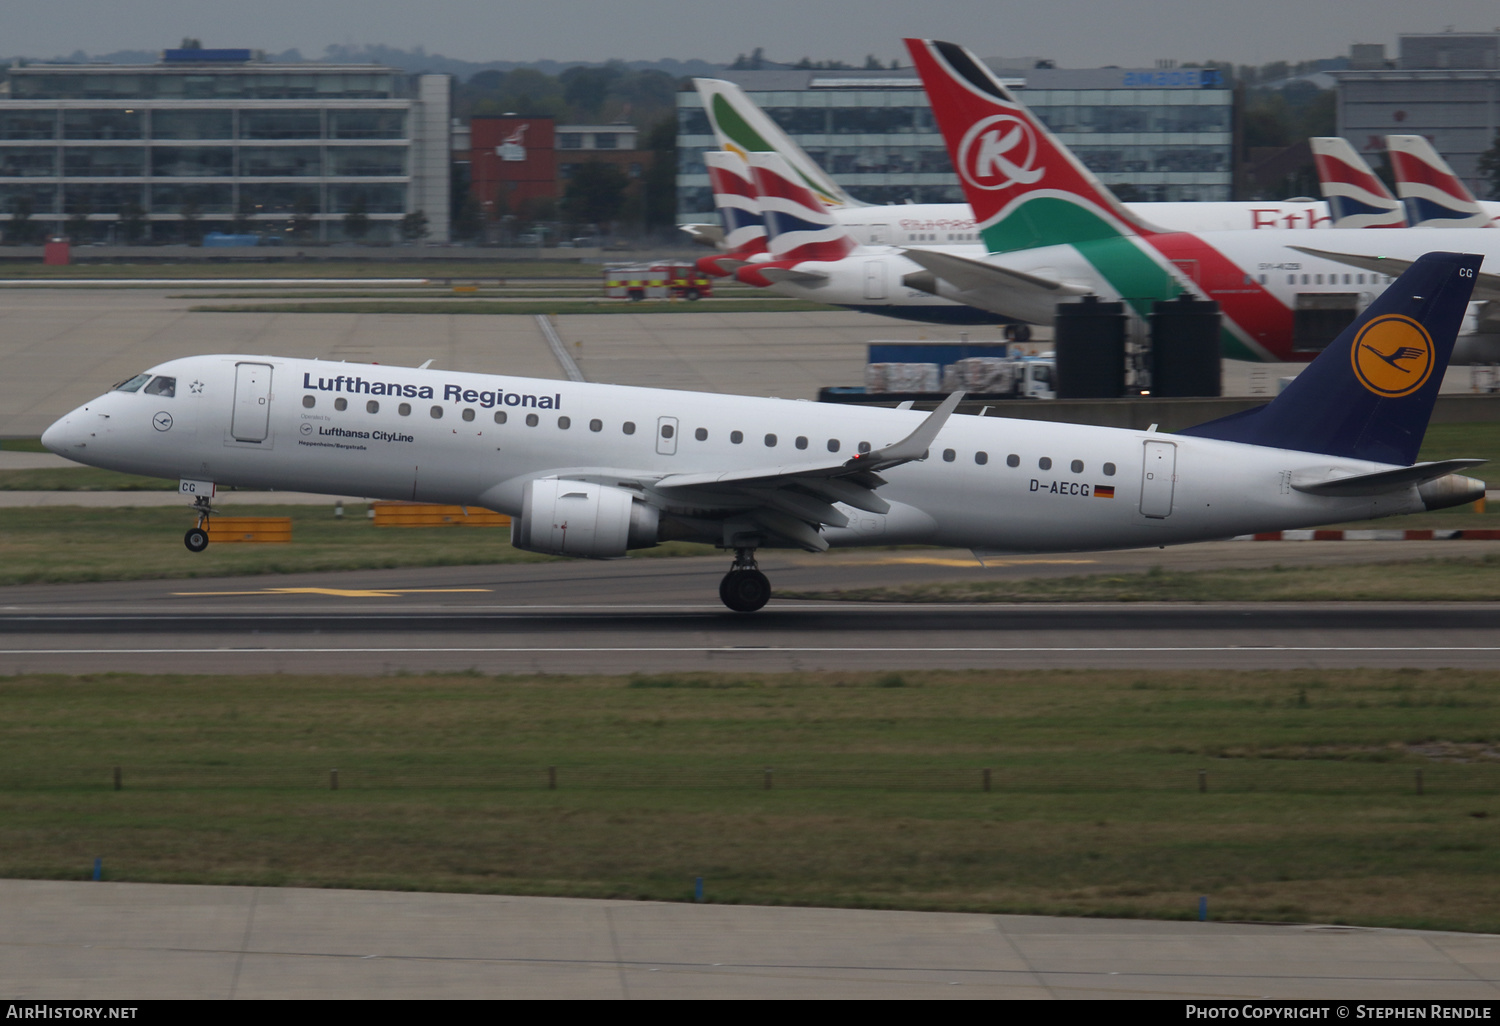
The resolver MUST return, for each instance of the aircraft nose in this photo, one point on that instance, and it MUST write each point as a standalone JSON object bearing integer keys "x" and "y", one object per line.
{"x": 61, "y": 436}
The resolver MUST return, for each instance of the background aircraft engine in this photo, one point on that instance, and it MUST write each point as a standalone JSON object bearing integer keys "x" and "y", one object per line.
{"x": 578, "y": 518}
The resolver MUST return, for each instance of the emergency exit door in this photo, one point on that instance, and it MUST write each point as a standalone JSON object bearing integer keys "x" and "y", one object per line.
{"x": 1158, "y": 478}
{"x": 252, "y": 402}
{"x": 666, "y": 436}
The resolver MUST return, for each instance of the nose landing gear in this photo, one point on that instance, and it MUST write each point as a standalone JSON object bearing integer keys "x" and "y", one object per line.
{"x": 196, "y": 539}
{"x": 744, "y": 588}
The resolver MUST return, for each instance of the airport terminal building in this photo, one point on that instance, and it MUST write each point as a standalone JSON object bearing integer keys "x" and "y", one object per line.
{"x": 217, "y": 140}
{"x": 1151, "y": 134}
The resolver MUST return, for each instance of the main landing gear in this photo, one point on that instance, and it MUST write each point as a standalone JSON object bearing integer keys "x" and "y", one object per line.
{"x": 744, "y": 589}
{"x": 196, "y": 539}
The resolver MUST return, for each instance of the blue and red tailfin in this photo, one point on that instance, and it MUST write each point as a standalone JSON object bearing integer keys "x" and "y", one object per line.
{"x": 1369, "y": 395}
{"x": 1434, "y": 196}
{"x": 1356, "y": 196}
{"x": 735, "y": 199}
{"x": 798, "y": 226}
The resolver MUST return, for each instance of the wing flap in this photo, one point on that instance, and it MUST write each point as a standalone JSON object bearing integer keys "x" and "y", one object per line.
{"x": 970, "y": 275}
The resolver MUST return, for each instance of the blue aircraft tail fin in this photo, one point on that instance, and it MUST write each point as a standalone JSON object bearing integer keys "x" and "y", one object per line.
{"x": 1369, "y": 395}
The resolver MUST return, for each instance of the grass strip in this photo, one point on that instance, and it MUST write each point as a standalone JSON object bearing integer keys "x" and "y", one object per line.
{"x": 460, "y": 271}
{"x": 489, "y": 306}
{"x": 65, "y": 544}
{"x": 1310, "y": 810}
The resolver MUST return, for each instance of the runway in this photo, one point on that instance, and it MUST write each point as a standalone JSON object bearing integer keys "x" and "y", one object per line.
{"x": 661, "y": 615}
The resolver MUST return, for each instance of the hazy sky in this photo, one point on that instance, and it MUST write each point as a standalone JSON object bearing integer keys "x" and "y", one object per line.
{"x": 1077, "y": 33}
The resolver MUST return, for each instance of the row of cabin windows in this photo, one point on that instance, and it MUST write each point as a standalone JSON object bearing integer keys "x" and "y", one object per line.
{"x": 701, "y": 434}
{"x": 1333, "y": 279}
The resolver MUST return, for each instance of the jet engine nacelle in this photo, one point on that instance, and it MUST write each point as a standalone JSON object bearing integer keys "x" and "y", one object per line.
{"x": 579, "y": 518}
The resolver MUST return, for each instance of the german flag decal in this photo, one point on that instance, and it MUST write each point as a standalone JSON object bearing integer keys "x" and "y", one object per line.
{"x": 1104, "y": 491}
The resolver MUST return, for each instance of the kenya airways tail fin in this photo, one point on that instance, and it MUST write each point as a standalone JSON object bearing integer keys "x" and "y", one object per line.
{"x": 736, "y": 200}
{"x": 1356, "y": 197}
{"x": 743, "y": 128}
{"x": 1433, "y": 194}
{"x": 1369, "y": 395}
{"x": 798, "y": 226}
{"x": 1026, "y": 188}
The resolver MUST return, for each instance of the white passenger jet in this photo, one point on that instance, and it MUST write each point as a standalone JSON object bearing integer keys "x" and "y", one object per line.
{"x": 596, "y": 470}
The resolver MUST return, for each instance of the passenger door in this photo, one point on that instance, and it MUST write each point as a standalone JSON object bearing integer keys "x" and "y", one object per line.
{"x": 1158, "y": 479}
{"x": 252, "y": 402}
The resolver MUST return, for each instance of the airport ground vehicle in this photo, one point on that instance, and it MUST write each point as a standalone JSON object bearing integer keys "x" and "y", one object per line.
{"x": 656, "y": 281}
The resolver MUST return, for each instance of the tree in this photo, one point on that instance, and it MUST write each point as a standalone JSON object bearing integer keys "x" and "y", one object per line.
{"x": 357, "y": 220}
{"x": 1488, "y": 168}
{"x": 189, "y": 43}
{"x": 21, "y": 230}
{"x": 596, "y": 192}
{"x": 414, "y": 226}
{"x": 660, "y": 185}
{"x": 132, "y": 222}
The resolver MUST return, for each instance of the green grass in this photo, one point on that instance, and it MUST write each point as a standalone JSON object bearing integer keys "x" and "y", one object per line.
{"x": 71, "y": 544}
{"x": 1310, "y": 813}
{"x": 1479, "y": 440}
{"x": 559, "y": 306}
{"x": 212, "y": 267}
{"x": 1413, "y": 580}
{"x": 80, "y": 479}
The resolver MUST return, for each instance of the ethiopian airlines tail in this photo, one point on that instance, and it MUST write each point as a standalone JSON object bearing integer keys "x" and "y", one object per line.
{"x": 743, "y": 128}
{"x": 1026, "y": 189}
{"x": 736, "y": 200}
{"x": 1433, "y": 194}
{"x": 1368, "y": 396}
{"x": 1356, "y": 196}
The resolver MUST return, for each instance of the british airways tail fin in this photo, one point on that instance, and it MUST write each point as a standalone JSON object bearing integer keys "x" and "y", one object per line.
{"x": 1356, "y": 196}
{"x": 798, "y": 226}
{"x": 1026, "y": 188}
{"x": 1434, "y": 196}
{"x": 736, "y": 200}
{"x": 1369, "y": 395}
{"x": 743, "y": 128}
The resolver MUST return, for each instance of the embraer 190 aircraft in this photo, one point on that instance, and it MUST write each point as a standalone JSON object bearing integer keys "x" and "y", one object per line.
{"x": 596, "y": 470}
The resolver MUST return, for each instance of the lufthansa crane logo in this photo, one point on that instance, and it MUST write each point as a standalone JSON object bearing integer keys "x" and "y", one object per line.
{"x": 1393, "y": 356}
{"x": 999, "y": 152}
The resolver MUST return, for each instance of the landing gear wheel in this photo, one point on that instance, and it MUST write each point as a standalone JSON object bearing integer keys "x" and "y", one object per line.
{"x": 1018, "y": 332}
{"x": 745, "y": 591}
{"x": 196, "y": 539}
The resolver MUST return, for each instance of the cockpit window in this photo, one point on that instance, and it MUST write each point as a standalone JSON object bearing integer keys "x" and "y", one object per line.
{"x": 133, "y": 384}
{"x": 162, "y": 385}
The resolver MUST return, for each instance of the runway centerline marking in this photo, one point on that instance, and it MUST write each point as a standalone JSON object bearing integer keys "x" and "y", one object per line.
{"x": 340, "y": 592}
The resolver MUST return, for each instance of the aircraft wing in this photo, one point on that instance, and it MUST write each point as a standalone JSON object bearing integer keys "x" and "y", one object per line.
{"x": 1486, "y": 284}
{"x": 796, "y": 500}
{"x": 969, "y": 274}
{"x": 794, "y": 275}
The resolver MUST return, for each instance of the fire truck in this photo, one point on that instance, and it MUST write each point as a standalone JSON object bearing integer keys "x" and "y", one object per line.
{"x": 656, "y": 281}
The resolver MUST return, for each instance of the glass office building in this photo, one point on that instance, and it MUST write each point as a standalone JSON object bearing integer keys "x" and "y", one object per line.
{"x": 1150, "y": 134}
{"x": 214, "y": 140}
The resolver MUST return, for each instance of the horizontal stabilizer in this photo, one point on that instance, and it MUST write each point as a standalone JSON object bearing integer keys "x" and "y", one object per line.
{"x": 1381, "y": 481}
{"x": 970, "y": 275}
{"x": 704, "y": 234}
{"x": 1486, "y": 285}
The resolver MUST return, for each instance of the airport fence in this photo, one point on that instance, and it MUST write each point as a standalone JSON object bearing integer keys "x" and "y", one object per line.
{"x": 1227, "y": 776}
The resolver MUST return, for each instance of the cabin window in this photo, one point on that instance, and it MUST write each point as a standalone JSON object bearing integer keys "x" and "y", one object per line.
{"x": 770, "y": 441}
{"x": 1109, "y": 470}
{"x": 596, "y": 424}
{"x": 864, "y": 447}
{"x": 736, "y": 437}
{"x": 1291, "y": 279}
{"x": 1012, "y": 460}
{"x": 949, "y": 455}
{"x": 1045, "y": 463}
{"x": 628, "y": 427}
{"x": 981, "y": 458}
{"x": 833, "y": 445}
{"x": 309, "y": 401}
{"x": 563, "y": 423}
{"x": 341, "y": 404}
{"x": 162, "y": 386}
{"x": 1077, "y": 466}
{"x": 468, "y": 414}
{"x": 532, "y": 420}
{"x": 136, "y": 382}
{"x": 801, "y": 441}
{"x": 437, "y": 413}
{"x": 372, "y": 407}
{"x": 701, "y": 434}
{"x": 404, "y": 409}
{"x": 500, "y": 417}
{"x": 666, "y": 431}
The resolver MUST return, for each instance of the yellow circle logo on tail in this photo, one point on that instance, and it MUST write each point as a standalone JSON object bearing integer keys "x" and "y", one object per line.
{"x": 1393, "y": 356}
